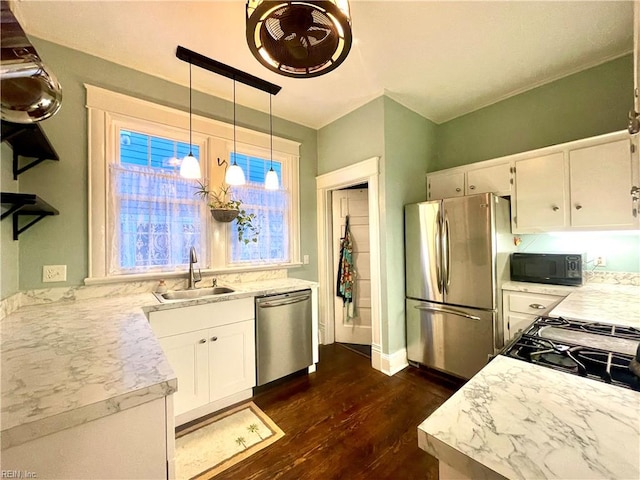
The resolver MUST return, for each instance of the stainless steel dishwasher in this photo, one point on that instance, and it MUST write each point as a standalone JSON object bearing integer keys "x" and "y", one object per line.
{"x": 283, "y": 335}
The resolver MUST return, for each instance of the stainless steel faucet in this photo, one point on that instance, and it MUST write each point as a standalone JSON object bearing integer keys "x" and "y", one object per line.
{"x": 193, "y": 258}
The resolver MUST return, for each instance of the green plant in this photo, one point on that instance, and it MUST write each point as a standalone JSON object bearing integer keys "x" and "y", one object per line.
{"x": 220, "y": 199}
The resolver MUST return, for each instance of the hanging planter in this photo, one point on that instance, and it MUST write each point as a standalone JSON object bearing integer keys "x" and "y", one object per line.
{"x": 224, "y": 215}
{"x": 225, "y": 211}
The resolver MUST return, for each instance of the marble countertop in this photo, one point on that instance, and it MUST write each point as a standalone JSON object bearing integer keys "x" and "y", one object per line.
{"x": 68, "y": 362}
{"x": 619, "y": 304}
{"x": 543, "y": 288}
{"x": 597, "y": 302}
{"x": 520, "y": 421}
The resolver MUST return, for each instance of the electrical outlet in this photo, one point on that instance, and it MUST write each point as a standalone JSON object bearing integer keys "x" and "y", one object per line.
{"x": 54, "y": 273}
{"x": 600, "y": 261}
{"x": 305, "y": 259}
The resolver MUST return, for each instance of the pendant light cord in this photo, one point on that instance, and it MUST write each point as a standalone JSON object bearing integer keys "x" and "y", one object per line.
{"x": 190, "y": 126}
{"x": 234, "y": 121}
{"x": 271, "y": 131}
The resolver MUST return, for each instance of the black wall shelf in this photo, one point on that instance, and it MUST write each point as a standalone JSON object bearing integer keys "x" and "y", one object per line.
{"x": 28, "y": 141}
{"x": 25, "y": 204}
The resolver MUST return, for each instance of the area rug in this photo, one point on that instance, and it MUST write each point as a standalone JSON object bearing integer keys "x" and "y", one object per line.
{"x": 207, "y": 448}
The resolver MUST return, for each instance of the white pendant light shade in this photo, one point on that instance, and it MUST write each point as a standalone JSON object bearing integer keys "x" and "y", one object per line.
{"x": 271, "y": 181}
{"x": 234, "y": 175}
{"x": 190, "y": 167}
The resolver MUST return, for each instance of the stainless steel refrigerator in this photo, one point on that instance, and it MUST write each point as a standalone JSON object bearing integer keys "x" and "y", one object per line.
{"x": 457, "y": 254}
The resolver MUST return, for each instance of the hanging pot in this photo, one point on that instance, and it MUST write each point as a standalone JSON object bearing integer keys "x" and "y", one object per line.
{"x": 224, "y": 215}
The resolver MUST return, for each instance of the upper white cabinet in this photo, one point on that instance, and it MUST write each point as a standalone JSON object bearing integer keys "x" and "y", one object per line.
{"x": 445, "y": 185}
{"x": 582, "y": 185}
{"x": 494, "y": 178}
{"x": 541, "y": 193}
{"x": 601, "y": 178}
{"x": 636, "y": 55}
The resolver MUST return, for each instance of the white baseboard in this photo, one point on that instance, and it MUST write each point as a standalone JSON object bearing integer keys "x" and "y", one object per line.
{"x": 388, "y": 364}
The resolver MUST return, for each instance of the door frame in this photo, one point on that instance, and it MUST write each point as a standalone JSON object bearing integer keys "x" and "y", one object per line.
{"x": 365, "y": 171}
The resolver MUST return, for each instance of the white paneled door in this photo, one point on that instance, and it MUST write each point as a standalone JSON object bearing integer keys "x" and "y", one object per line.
{"x": 355, "y": 204}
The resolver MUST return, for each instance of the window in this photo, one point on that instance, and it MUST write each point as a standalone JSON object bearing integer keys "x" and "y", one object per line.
{"x": 144, "y": 217}
{"x": 156, "y": 218}
{"x": 271, "y": 208}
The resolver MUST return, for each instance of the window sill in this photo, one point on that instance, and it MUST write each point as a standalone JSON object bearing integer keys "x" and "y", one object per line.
{"x": 134, "y": 277}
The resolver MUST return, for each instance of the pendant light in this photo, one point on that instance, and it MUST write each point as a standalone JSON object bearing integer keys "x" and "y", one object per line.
{"x": 271, "y": 180}
{"x": 190, "y": 168}
{"x": 234, "y": 175}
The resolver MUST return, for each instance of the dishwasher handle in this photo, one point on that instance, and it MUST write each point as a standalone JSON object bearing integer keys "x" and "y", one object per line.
{"x": 281, "y": 303}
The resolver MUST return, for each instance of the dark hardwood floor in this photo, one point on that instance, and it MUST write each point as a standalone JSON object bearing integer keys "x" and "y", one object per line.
{"x": 347, "y": 421}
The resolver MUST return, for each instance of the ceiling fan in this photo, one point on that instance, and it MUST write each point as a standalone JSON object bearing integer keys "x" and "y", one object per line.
{"x": 299, "y": 39}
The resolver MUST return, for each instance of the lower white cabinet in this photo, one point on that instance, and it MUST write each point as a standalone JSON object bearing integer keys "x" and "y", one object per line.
{"x": 211, "y": 348}
{"x": 134, "y": 443}
{"x": 520, "y": 309}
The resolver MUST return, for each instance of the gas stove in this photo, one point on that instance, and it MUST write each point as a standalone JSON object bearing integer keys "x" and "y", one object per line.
{"x": 599, "y": 351}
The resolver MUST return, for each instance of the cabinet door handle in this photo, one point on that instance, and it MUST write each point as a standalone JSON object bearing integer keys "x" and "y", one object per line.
{"x": 458, "y": 189}
{"x": 537, "y": 306}
{"x": 472, "y": 187}
{"x": 203, "y": 340}
{"x": 555, "y": 208}
{"x": 213, "y": 339}
{"x": 578, "y": 207}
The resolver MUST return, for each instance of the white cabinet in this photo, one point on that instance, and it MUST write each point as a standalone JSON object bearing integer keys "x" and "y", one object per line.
{"x": 636, "y": 55}
{"x": 582, "y": 185}
{"x": 540, "y": 193}
{"x": 211, "y": 348}
{"x": 137, "y": 442}
{"x": 494, "y": 178}
{"x": 601, "y": 178}
{"x": 520, "y": 309}
{"x": 445, "y": 185}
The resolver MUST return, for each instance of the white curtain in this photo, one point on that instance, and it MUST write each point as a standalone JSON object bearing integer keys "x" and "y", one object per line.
{"x": 271, "y": 208}
{"x": 154, "y": 220}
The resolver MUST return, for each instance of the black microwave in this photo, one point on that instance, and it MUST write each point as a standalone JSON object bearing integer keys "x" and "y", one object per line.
{"x": 554, "y": 268}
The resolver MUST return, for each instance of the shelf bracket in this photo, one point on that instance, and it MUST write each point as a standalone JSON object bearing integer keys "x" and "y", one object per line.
{"x": 17, "y": 230}
{"x": 16, "y": 165}
{"x": 12, "y": 209}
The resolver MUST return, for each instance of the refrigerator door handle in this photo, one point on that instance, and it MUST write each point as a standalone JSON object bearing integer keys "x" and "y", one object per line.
{"x": 446, "y": 281}
{"x": 438, "y": 247}
{"x": 452, "y": 311}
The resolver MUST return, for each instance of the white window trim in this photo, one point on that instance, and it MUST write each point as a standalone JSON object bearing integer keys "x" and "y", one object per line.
{"x": 108, "y": 110}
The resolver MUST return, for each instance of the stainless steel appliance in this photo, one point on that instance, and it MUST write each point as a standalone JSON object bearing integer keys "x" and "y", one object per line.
{"x": 554, "y": 268}
{"x": 283, "y": 335}
{"x": 457, "y": 255}
{"x": 599, "y": 351}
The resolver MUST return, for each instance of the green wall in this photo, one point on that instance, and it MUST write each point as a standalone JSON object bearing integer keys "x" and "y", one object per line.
{"x": 63, "y": 239}
{"x": 353, "y": 138}
{"x": 410, "y": 146}
{"x": 585, "y": 104}
{"x": 10, "y": 248}
{"x": 403, "y": 140}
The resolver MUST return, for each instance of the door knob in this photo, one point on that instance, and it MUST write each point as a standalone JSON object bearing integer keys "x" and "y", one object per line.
{"x": 458, "y": 189}
{"x": 213, "y": 339}
{"x": 555, "y": 208}
{"x": 472, "y": 187}
{"x": 203, "y": 340}
{"x": 578, "y": 207}
{"x": 537, "y": 306}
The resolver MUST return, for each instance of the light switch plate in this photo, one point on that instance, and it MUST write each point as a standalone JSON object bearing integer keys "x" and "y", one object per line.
{"x": 305, "y": 259}
{"x": 54, "y": 273}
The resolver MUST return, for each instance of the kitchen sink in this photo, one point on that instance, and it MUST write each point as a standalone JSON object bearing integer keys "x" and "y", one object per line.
{"x": 194, "y": 293}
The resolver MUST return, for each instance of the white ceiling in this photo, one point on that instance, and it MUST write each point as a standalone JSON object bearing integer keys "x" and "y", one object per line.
{"x": 441, "y": 59}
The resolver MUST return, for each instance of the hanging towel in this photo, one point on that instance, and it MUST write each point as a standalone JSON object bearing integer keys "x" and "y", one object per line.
{"x": 346, "y": 272}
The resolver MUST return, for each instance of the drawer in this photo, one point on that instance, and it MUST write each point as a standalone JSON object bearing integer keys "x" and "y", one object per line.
{"x": 209, "y": 315}
{"x": 532, "y": 303}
